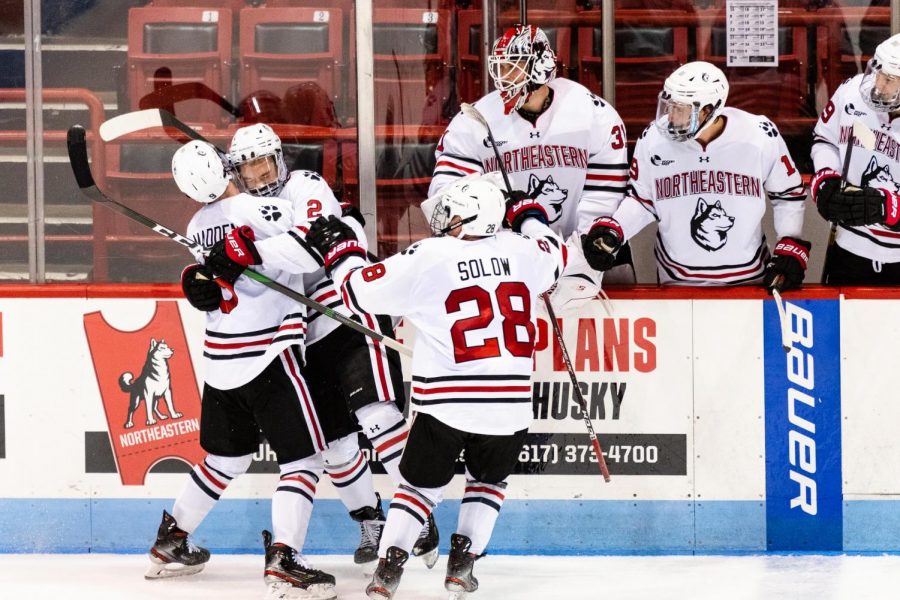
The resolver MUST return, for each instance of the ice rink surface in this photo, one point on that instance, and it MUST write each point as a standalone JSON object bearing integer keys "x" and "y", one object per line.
{"x": 233, "y": 577}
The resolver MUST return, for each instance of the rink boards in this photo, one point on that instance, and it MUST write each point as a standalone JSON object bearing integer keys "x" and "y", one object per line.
{"x": 717, "y": 439}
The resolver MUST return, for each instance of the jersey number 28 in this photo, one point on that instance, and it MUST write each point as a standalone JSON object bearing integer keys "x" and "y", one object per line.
{"x": 513, "y": 318}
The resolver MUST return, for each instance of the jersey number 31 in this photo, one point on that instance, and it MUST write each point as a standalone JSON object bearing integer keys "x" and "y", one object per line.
{"x": 512, "y": 319}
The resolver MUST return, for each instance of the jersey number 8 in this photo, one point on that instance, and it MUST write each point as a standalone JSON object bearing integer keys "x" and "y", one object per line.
{"x": 513, "y": 318}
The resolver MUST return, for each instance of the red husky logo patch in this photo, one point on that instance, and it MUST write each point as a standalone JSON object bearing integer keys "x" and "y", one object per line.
{"x": 143, "y": 376}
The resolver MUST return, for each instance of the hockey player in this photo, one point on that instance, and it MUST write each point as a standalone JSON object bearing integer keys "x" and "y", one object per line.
{"x": 865, "y": 207}
{"x": 345, "y": 369}
{"x": 253, "y": 349}
{"x": 702, "y": 171}
{"x": 471, "y": 295}
{"x": 560, "y": 143}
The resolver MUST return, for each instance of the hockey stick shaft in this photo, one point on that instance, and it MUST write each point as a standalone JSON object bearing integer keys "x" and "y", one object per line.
{"x": 579, "y": 397}
{"x": 78, "y": 158}
{"x": 473, "y": 113}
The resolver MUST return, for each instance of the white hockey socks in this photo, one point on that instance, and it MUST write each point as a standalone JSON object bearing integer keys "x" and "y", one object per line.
{"x": 384, "y": 425}
{"x": 292, "y": 503}
{"x": 410, "y": 508}
{"x": 204, "y": 487}
{"x": 350, "y": 473}
{"x": 478, "y": 512}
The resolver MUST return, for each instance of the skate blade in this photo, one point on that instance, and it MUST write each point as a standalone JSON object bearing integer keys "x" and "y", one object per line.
{"x": 460, "y": 595}
{"x": 430, "y": 558}
{"x": 285, "y": 591}
{"x": 168, "y": 570}
{"x": 378, "y": 594}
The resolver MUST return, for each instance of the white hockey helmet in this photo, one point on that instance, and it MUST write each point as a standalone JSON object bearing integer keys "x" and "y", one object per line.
{"x": 521, "y": 61}
{"x": 479, "y": 204}
{"x": 880, "y": 85}
{"x": 686, "y": 92}
{"x": 199, "y": 172}
{"x": 255, "y": 152}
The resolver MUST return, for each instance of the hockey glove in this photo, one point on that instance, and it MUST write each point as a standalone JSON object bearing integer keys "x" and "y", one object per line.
{"x": 348, "y": 210}
{"x": 787, "y": 267}
{"x": 235, "y": 252}
{"x": 520, "y": 206}
{"x": 824, "y": 185}
{"x": 601, "y": 243}
{"x": 201, "y": 291}
{"x": 335, "y": 241}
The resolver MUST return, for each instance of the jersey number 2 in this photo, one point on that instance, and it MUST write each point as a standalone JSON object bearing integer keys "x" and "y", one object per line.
{"x": 512, "y": 319}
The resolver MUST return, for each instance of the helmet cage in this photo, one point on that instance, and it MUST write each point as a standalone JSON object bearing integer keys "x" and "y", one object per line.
{"x": 692, "y": 125}
{"x": 869, "y": 88}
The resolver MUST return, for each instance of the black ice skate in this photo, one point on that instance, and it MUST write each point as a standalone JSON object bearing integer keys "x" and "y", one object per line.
{"x": 459, "y": 580}
{"x": 387, "y": 575}
{"x": 426, "y": 546}
{"x": 371, "y": 524}
{"x": 288, "y": 576}
{"x": 173, "y": 554}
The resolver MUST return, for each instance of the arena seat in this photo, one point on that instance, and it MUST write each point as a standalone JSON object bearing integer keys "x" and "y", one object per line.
{"x": 281, "y": 48}
{"x": 171, "y": 45}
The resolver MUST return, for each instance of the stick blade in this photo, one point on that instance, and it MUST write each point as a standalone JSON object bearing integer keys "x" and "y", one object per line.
{"x": 472, "y": 112}
{"x": 76, "y": 143}
{"x": 129, "y": 123}
{"x": 865, "y": 135}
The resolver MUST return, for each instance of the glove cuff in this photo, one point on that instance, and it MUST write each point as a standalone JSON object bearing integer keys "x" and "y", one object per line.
{"x": 821, "y": 176}
{"x": 517, "y": 212}
{"x": 795, "y": 248}
{"x": 341, "y": 251}
{"x": 609, "y": 223}
{"x": 891, "y": 207}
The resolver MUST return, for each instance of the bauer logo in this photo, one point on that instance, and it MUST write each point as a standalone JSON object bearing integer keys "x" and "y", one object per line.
{"x": 803, "y": 427}
{"x": 148, "y": 389}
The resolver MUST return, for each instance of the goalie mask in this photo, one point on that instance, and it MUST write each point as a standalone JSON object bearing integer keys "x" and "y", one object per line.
{"x": 880, "y": 85}
{"x": 256, "y": 154}
{"x": 474, "y": 208}
{"x": 199, "y": 172}
{"x": 693, "y": 87}
{"x": 521, "y": 61}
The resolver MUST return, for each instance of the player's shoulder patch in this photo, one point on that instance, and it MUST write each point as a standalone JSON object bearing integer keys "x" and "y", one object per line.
{"x": 309, "y": 175}
{"x": 767, "y": 127}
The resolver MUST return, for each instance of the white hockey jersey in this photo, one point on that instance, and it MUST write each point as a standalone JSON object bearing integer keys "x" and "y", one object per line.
{"x": 310, "y": 198}
{"x": 574, "y": 157}
{"x": 710, "y": 201}
{"x": 240, "y": 344}
{"x": 473, "y": 304}
{"x": 879, "y": 168}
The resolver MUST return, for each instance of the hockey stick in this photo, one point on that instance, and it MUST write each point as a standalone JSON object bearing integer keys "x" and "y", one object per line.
{"x": 168, "y": 95}
{"x": 139, "y": 120}
{"x": 472, "y": 112}
{"x": 78, "y": 158}
{"x": 861, "y": 133}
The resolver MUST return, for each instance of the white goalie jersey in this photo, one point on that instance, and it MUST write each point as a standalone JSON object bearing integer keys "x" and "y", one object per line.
{"x": 473, "y": 304}
{"x": 710, "y": 201}
{"x": 240, "y": 344}
{"x": 573, "y": 160}
{"x": 878, "y": 169}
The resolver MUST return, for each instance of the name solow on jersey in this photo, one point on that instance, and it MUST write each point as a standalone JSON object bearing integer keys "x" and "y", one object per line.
{"x": 480, "y": 267}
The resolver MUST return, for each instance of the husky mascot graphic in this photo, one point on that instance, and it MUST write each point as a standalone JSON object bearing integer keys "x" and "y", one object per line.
{"x": 548, "y": 193}
{"x": 152, "y": 384}
{"x": 878, "y": 176}
{"x": 710, "y": 225}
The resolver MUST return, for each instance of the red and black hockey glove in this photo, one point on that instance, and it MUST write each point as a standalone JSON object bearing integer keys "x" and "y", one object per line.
{"x": 204, "y": 291}
{"x": 521, "y": 206}
{"x": 852, "y": 205}
{"x": 787, "y": 267}
{"x": 601, "y": 243}
{"x": 334, "y": 240}
{"x": 235, "y": 252}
